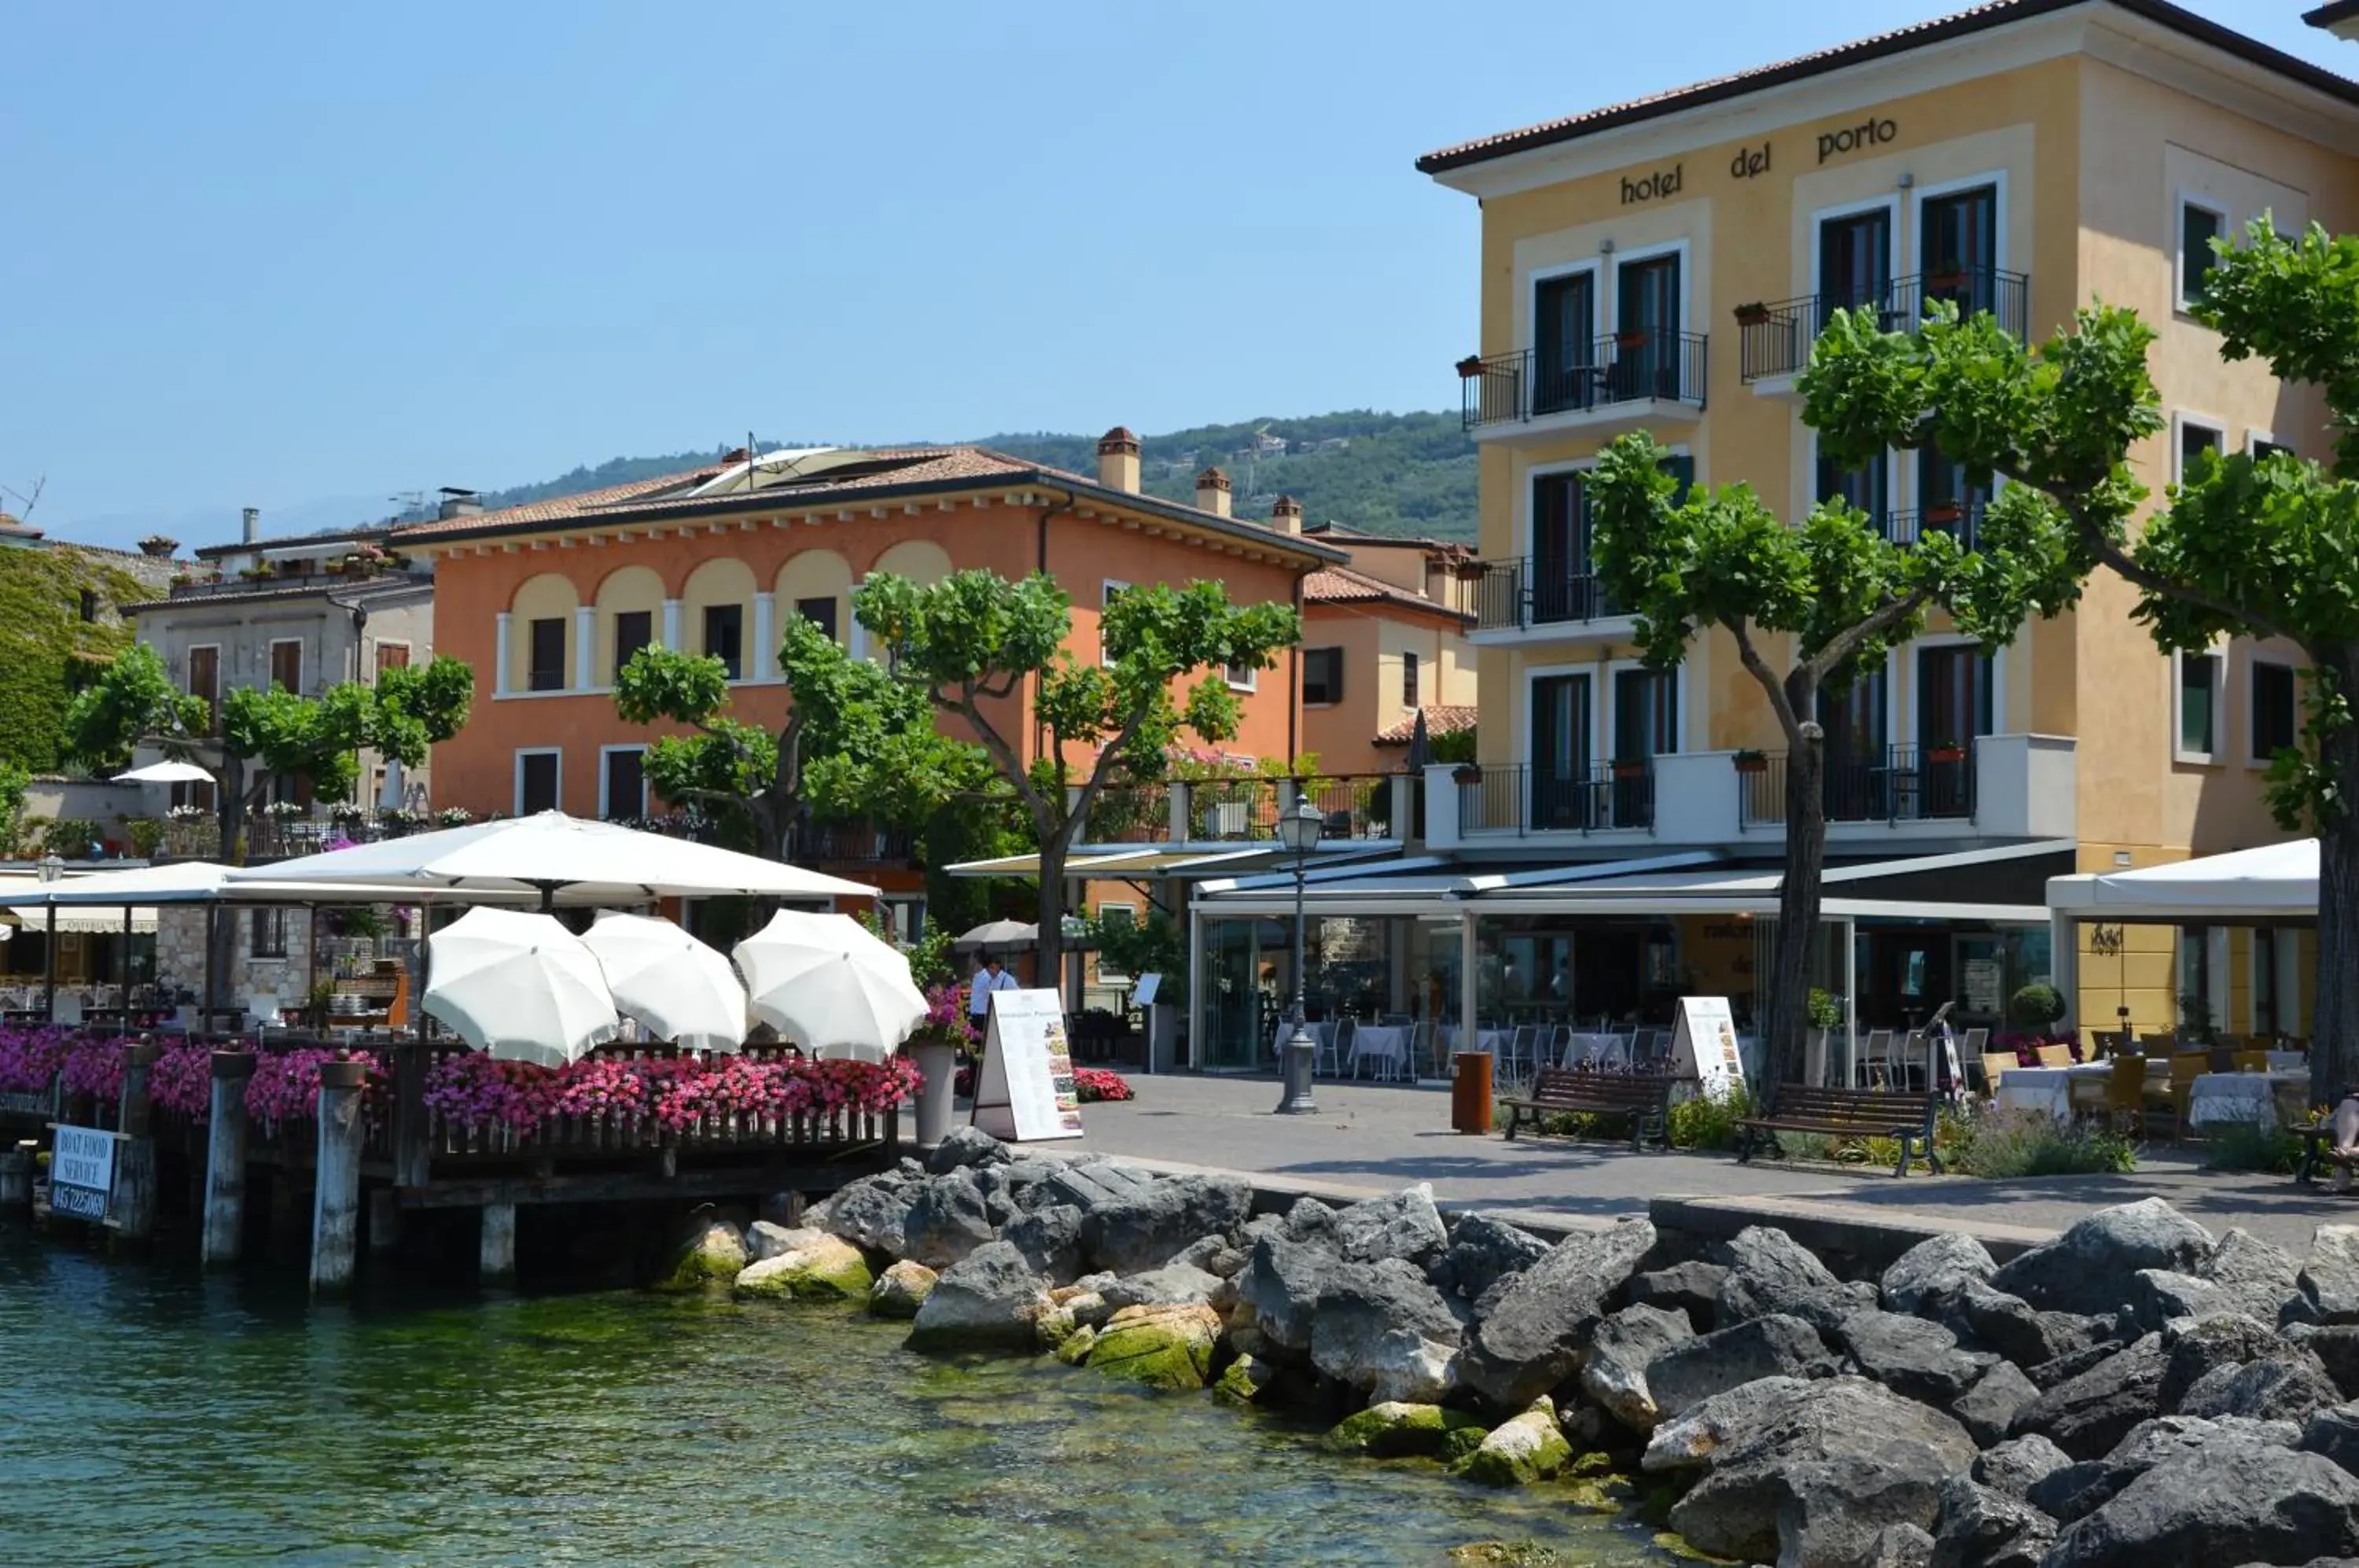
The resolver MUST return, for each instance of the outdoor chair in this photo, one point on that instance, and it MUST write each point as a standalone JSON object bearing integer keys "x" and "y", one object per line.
{"x": 2252, "y": 1061}
{"x": 1523, "y": 1051}
{"x": 2126, "y": 1095}
{"x": 2054, "y": 1056}
{"x": 2162, "y": 1044}
{"x": 1977, "y": 1040}
{"x": 1995, "y": 1064}
{"x": 2186, "y": 1066}
{"x": 1646, "y": 1045}
{"x": 2110, "y": 1042}
{"x": 1915, "y": 1047}
{"x": 1425, "y": 1050}
{"x": 1339, "y": 1045}
{"x": 1877, "y": 1061}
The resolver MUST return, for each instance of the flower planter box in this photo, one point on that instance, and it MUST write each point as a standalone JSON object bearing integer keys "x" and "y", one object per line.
{"x": 1938, "y": 280}
{"x": 1942, "y": 513}
{"x": 1751, "y": 762}
{"x": 1467, "y": 776}
{"x": 1947, "y": 754}
{"x": 1752, "y": 315}
{"x": 1470, "y": 367}
{"x": 1631, "y": 340}
{"x": 1627, "y": 770}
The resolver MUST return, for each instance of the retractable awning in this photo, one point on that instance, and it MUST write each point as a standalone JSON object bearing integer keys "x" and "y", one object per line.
{"x": 2275, "y": 882}
{"x": 1147, "y": 860}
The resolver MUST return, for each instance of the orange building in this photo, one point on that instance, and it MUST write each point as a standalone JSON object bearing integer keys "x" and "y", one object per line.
{"x": 1383, "y": 640}
{"x": 549, "y": 600}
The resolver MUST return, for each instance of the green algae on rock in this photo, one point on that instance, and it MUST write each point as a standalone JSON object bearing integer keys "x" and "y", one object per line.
{"x": 712, "y": 1253}
{"x": 1528, "y": 1448}
{"x": 901, "y": 1289}
{"x": 826, "y": 1269}
{"x": 1161, "y": 1346}
{"x": 1395, "y": 1429}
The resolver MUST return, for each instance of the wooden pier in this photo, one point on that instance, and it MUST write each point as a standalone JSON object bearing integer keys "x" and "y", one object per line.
{"x": 373, "y": 1149}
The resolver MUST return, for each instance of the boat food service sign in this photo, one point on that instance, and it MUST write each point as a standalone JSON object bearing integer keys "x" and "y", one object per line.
{"x": 81, "y": 1172}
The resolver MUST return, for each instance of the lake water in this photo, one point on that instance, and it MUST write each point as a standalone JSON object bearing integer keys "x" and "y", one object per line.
{"x": 150, "y": 1415}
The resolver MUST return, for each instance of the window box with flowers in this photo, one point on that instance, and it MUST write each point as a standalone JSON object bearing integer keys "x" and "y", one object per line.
{"x": 1946, "y": 752}
{"x": 1751, "y": 314}
{"x": 1629, "y": 767}
{"x": 1470, "y": 367}
{"x": 453, "y": 817}
{"x": 1750, "y": 761}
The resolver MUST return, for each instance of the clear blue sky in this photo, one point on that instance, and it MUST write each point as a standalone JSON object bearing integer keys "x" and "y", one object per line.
{"x": 307, "y": 257}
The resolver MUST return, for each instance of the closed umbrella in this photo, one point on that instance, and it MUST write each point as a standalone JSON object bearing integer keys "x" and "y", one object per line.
{"x": 829, "y": 984}
{"x": 520, "y": 985}
{"x": 677, "y": 987}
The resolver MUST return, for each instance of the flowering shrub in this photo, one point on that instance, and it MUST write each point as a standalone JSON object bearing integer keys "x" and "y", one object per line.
{"x": 181, "y": 1080}
{"x": 286, "y": 1084}
{"x": 478, "y": 1091}
{"x": 472, "y": 1090}
{"x": 95, "y": 1066}
{"x": 30, "y": 1058}
{"x": 1091, "y": 1083}
{"x": 947, "y": 1021}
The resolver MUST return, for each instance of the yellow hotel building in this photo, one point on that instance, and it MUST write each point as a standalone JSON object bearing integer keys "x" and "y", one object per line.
{"x": 1665, "y": 264}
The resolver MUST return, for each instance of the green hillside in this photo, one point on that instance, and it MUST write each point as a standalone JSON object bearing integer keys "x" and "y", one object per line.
{"x": 1389, "y": 473}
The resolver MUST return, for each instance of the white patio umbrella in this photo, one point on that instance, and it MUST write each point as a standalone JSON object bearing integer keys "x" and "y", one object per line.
{"x": 827, "y": 984}
{"x": 520, "y": 985}
{"x": 566, "y": 859}
{"x": 998, "y": 933}
{"x": 677, "y": 987}
{"x": 169, "y": 772}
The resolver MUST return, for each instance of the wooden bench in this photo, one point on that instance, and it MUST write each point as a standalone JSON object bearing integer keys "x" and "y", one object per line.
{"x": 1643, "y": 1099}
{"x": 2318, "y": 1144}
{"x": 1848, "y": 1113}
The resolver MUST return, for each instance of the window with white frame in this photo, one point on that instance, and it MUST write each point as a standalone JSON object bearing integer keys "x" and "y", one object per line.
{"x": 1409, "y": 679}
{"x": 2201, "y": 681}
{"x": 2200, "y": 223}
{"x": 623, "y": 783}
{"x": 2263, "y": 447}
{"x": 1241, "y": 677}
{"x": 2196, "y": 436}
{"x": 1108, "y": 593}
{"x": 539, "y": 779}
{"x": 2276, "y": 719}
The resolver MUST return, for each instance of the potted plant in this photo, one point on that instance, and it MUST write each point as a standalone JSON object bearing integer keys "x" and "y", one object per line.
{"x": 1631, "y": 337}
{"x": 453, "y": 817}
{"x": 1946, "y": 751}
{"x": 935, "y": 1045}
{"x": 1949, "y": 274}
{"x": 1751, "y": 761}
{"x": 1824, "y": 1015}
{"x": 1941, "y": 514}
{"x": 1467, "y": 773}
{"x": 1629, "y": 767}
{"x": 1470, "y": 367}
{"x": 1751, "y": 314}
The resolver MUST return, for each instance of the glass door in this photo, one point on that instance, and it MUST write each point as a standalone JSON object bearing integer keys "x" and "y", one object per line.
{"x": 1645, "y": 725}
{"x": 1560, "y": 752}
{"x": 1957, "y": 248}
{"x": 1647, "y": 329}
{"x": 1854, "y": 262}
{"x": 1953, "y": 707}
{"x": 1857, "y": 748}
{"x": 1564, "y": 342}
{"x": 1564, "y": 586}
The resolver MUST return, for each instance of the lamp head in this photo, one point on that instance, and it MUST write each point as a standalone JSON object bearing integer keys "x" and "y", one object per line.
{"x": 1299, "y": 828}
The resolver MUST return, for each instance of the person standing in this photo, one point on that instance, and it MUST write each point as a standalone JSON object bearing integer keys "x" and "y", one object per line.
{"x": 992, "y": 977}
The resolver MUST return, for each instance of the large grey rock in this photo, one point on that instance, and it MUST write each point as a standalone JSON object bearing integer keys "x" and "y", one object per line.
{"x": 2087, "y": 1415}
{"x": 1933, "y": 1270}
{"x": 1142, "y": 1229}
{"x": 1533, "y": 1335}
{"x": 2336, "y": 1345}
{"x": 2159, "y": 1296}
{"x": 765, "y": 1239}
{"x": 2287, "y": 1384}
{"x": 2079, "y": 1489}
{"x": 1691, "y": 1288}
{"x": 1173, "y": 1285}
{"x": 2013, "y": 1466}
{"x": 1086, "y": 1183}
{"x": 1282, "y": 1287}
{"x": 2257, "y": 1277}
{"x": 966, "y": 1146}
{"x": 1769, "y": 1271}
{"x": 2232, "y": 1500}
{"x": 1901, "y": 1546}
{"x": 1987, "y": 1410}
{"x": 1482, "y": 1253}
{"x": 1398, "y": 1225}
{"x": 1049, "y": 1237}
{"x": 1774, "y": 1346}
{"x": 2087, "y": 1268}
{"x": 872, "y": 1213}
{"x": 1688, "y": 1440}
{"x": 1823, "y": 1475}
{"x": 1614, "y": 1374}
{"x": 986, "y": 1300}
{"x": 1309, "y": 1220}
{"x": 1981, "y": 1527}
{"x": 948, "y": 1220}
{"x": 1383, "y": 1326}
{"x": 2328, "y": 1280}
{"x": 1911, "y": 1356}
{"x": 2204, "y": 1345}
{"x": 2335, "y": 1435}
{"x": 1978, "y": 1312}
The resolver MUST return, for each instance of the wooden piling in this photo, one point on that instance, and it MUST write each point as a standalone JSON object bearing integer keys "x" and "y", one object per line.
{"x": 16, "y": 1178}
{"x": 383, "y": 1221}
{"x": 135, "y": 1152}
{"x": 225, "y": 1232}
{"x": 498, "y": 1251}
{"x": 336, "y": 1196}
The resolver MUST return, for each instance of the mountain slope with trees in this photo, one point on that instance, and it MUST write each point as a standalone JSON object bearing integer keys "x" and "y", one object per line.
{"x": 1389, "y": 473}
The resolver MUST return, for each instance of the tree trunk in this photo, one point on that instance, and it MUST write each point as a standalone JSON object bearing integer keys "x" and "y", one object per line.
{"x": 1053, "y": 849}
{"x": 1784, "y": 1037}
{"x": 2335, "y": 1017}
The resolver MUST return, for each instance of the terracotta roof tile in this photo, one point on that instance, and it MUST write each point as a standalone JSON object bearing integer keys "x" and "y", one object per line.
{"x": 1974, "y": 19}
{"x": 1440, "y": 719}
{"x": 1341, "y": 585}
{"x": 550, "y": 509}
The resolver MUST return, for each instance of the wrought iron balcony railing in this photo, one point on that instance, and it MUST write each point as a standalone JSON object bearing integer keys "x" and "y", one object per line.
{"x": 1775, "y": 339}
{"x": 1648, "y": 365}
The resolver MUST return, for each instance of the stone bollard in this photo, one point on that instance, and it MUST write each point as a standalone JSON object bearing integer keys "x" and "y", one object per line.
{"x": 938, "y": 1065}
{"x": 135, "y": 1152}
{"x": 16, "y": 1178}
{"x": 336, "y": 1200}
{"x": 224, "y": 1233}
{"x": 496, "y": 1257}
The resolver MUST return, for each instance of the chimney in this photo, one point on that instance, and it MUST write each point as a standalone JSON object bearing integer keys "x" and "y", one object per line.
{"x": 1286, "y": 514}
{"x": 1213, "y": 491}
{"x": 159, "y": 547}
{"x": 1118, "y": 459}
{"x": 458, "y": 503}
{"x": 252, "y": 516}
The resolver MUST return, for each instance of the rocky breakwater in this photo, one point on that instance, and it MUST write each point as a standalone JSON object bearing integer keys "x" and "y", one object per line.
{"x": 2133, "y": 1393}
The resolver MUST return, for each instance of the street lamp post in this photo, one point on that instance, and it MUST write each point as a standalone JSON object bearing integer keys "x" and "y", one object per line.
{"x": 1299, "y": 830}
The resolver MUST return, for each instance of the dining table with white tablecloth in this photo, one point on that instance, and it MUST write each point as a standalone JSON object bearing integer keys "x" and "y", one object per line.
{"x": 1385, "y": 1044}
{"x": 2261, "y": 1099}
{"x": 1492, "y": 1042}
{"x": 2048, "y": 1089}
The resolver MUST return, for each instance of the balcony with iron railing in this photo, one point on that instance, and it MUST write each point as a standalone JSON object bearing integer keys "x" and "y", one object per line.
{"x": 1903, "y": 784}
{"x": 1961, "y": 519}
{"x": 1617, "y": 382}
{"x": 1515, "y": 595}
{"x": 1773, "y": 341}
{"x": 1521, "y": 799}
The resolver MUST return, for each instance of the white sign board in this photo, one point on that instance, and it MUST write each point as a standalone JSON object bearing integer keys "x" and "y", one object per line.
{"x": 1144, "y": 993}
{"x": 1705, "y": 1044}
{"x": 81, "y": 1172}
{"x": 1026, "y": 1090}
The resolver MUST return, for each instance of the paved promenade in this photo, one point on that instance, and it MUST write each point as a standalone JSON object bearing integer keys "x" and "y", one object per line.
{"x": 1373, "y": 1138}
